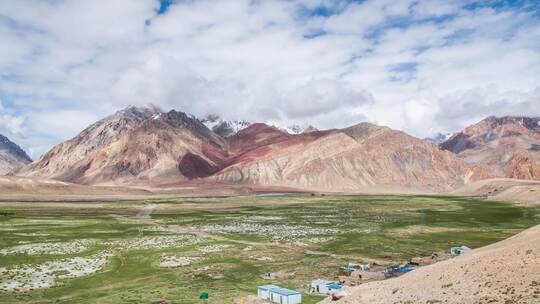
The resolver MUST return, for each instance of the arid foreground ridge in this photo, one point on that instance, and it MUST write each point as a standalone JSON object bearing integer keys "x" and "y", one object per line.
{"x": 504, "y": 272}
{"x": 144, "y": 146}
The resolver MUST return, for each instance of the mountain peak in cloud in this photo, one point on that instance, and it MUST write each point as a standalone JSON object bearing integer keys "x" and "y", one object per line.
{"x": 148, "y": 107}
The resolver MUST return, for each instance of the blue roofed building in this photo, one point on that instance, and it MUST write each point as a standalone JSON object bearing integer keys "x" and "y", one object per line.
{"x": 324, "y": 286}
{"x": 278, "y": 294}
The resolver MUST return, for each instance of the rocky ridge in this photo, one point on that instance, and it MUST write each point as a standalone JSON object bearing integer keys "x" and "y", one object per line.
{"x": 11, "y": 156}
{"x": 508, "y": 146}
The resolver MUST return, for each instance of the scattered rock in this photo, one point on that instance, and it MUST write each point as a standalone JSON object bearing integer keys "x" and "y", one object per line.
{"x": 338, "y": 295}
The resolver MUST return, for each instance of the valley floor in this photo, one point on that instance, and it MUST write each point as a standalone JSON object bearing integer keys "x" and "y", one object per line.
{"x": 175, "y": 249}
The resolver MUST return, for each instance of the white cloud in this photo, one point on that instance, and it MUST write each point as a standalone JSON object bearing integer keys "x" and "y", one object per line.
{"x": 420, "y": 66}
{"x": 420, "y": 114}
{"x": 322, "y": 96}
{"x": 13, "y": 126}
{"x": 475, "y": 104}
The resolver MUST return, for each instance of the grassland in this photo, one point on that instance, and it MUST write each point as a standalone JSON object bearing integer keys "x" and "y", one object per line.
{"x": 226, "y": 244}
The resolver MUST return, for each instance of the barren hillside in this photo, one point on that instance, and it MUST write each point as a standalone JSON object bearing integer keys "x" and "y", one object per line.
{"x": 504, "y": 272}
{"x": 509, "y": 146}
{"x": 134, "y": 145}
{"x": 34, "y": 189}
{"x": 522, "y": 191}
{"x": 360, "y": 158}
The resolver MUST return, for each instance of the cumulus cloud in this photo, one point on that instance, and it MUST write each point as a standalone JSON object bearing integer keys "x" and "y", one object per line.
{"x": 419, "y": 66}
{"x": 322, "y": 96}
{"x": 475, "y": 104}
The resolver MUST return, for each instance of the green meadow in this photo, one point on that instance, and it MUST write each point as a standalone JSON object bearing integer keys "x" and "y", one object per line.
{"x": 109, "y": 255}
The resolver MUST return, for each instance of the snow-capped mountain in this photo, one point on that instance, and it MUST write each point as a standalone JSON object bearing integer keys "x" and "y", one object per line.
{"x": 438, "y": 138}
{"x": 224, "y": 128}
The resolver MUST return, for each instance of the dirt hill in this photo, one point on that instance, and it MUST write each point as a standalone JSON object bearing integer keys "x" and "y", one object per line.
{"x": 16, "y": 188}
{"x": 504, "y": 272}
{"x": 522, "y": 191}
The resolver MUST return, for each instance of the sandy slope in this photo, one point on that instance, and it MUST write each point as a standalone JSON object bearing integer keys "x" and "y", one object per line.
{"x": 18, "y": 188}
{"x": 525, "y": 192}
{"x": 504, "y": 272}
{"x": 29, "y": 188}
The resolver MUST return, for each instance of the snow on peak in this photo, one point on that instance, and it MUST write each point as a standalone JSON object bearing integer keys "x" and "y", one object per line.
{"x": 439, "y": 138}
{"x": 224, "y": 127}
{"x": 297, "y": 129}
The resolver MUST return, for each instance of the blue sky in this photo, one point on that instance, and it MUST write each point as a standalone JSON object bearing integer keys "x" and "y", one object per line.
{"x": 419, "y": 66}
{"x": 164, "y": 6}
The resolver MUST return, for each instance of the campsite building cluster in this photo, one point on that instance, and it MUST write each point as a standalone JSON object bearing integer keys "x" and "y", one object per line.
{"x": 352, "y": 274}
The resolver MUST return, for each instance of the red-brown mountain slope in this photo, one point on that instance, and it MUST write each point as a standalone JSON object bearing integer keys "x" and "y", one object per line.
{"x": 134, "y": 145}
{"x": 508, "y": 146}
{"x": 364, "y": 157}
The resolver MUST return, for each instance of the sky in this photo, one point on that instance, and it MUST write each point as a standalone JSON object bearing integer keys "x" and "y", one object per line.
{"x": 419, "y": 66}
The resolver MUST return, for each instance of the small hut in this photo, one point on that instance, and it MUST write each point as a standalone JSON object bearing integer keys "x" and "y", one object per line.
{"x": 278, "y": 294}
{"x": 459, "y": 250}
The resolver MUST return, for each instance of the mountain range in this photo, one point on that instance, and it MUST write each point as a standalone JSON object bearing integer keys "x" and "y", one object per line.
{"x": 146, "y": 146}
